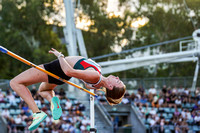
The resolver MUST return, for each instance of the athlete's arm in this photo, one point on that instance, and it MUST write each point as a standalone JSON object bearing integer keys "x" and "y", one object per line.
{"x": 90, "y": 87}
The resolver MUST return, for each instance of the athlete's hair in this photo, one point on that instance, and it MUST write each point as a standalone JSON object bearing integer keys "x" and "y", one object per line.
{"x": 115, "y": 95}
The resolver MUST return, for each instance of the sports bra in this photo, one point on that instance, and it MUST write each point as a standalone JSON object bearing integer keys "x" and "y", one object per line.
{"x": 83, "y": 64}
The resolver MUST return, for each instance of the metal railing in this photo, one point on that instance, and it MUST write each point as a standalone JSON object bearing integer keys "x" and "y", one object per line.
{"x": 146, "y": 83}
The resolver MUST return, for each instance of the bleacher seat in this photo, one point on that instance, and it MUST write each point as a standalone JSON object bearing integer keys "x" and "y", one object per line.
{"x": 171, "y": 127}
{"x": 169, "y": 116}
{"x": 18, "y": 111}
{"x": 196, "y": 128}
{"x": 188, "y": 105}
{"x": 18, "y": 100}
{"x": 7, "y": 105}
{"x": 2, "y": 105}
{"x": 12, "y": 112}
{"x": 167, "y": 119}
{"x": 165, "y": 115}
{"x": 179, "y": 109}
{"x": 167, "y": 131}
{"x": 167, "y": 110}
{"x": 147, "y": 126}
{"x": 46, "y": 101}
{"x": 63, "y": 101}
{"x": 190, "y": 127}
{"x": 172, "y": 110}
{"x": 190, "y": 122}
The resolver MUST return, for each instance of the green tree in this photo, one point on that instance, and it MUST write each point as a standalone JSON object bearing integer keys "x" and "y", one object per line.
{"x": 25, "y": 32}
{"x": 167, "y": 20}
{"x": 106, "y": 31}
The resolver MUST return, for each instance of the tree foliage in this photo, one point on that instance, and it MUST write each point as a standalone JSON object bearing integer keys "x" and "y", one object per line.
{"x": 168, "y": 20}
{"x": 25, "y": 32}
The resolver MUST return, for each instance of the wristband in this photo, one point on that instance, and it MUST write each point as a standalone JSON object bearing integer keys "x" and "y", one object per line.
{"x": 60, "y": 55}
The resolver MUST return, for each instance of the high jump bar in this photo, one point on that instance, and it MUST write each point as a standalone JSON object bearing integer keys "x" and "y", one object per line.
{"x": 4, "y": 50}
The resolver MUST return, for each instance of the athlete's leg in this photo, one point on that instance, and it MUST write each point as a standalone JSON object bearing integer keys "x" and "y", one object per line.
{"x": 26, "y": 78}
{"x": 46, "y": 90}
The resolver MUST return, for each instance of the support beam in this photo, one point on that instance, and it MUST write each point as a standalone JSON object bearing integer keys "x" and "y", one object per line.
{"x": 70, "y": 29}
{"x": 195, "y": 76}
{"x": 126, "y": 64}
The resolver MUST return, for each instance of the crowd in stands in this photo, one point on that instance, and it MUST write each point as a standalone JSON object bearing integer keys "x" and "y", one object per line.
{"x": 167, "y": 109}
{"x": 19, "y": 116}
{"x": 162, "y": 110}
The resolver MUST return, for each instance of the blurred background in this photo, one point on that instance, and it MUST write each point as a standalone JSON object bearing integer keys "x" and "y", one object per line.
{"x": 152, "y": 45}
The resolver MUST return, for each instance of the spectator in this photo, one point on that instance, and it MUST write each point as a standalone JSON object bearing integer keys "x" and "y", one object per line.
{"x": 152, "y": 121}
{"x": 164, "y": 89}
{"x": 141, "y": 91}
{"x": 197, "y": 118}
{"x": 18, "y": 120}
{"x": 25, "y": 107}
{"x": 162, "y": 124}
{"x": 152, "y": 112}
{"x": 125, "y": 100}
{"x": 186, "y": 92}
{"x": 68, "y": 105}
{"x": 11, "y": 99}
{"x": 178, "y": 101}
{"x": 71, "y": 128}
{"x": 74, "y": 118}
{"x": 37, "y": 101}
{"x": 161, "y": 101}
{"x": 28, "y": 113}
{"x": 188, "y": 115}
{"x": 56, "y": 91}
{"x": 181, "y": 90}
{"x": 62, "y": 93}
{"x": 65, "y": 126}
{"x": 184, "y": 127}
{"x": 33, "y": 90}
{"x": 5, "y": 113}
{"x": 177, "y": 129}
{"x": 174, "y": 90}
{"x": 144, "y": 100}
{"x": 101, "y": 99}
{"x": 49, "y": 120}
{"x": 1, "y": 96}
{"x": 152, "y": 91}
{"x": 155, "y": 101}
{"x": 11, "y": 125}
{"x": 176, "y": 112}
{"x": 172, "y": 98}
{"x": 183, "y": 113}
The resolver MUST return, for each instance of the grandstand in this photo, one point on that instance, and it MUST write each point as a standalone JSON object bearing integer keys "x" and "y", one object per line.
{"x": 18, "y": 116}
{"x": 150, "y": 105}
{"x": 159, "y": 109}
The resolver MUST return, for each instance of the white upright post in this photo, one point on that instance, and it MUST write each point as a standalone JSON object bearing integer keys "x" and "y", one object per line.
{"x": 195, "y": 76}
{"x": 70, "y": 33}
{"x": 196, "y": 37}
{"x": 92, "y": 118}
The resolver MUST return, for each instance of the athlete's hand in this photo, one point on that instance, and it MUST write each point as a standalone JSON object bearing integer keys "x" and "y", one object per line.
{"x": 55, "y": 52}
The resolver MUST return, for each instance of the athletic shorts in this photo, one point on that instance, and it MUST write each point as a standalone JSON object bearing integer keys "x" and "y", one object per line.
{"x": 55, "y": 68}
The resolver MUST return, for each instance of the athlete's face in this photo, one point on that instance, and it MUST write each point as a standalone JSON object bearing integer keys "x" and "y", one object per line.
{"x": 115, "y": 81}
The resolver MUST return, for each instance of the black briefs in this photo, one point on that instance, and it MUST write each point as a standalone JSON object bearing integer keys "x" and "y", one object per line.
{"x": 55, "y": 68}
